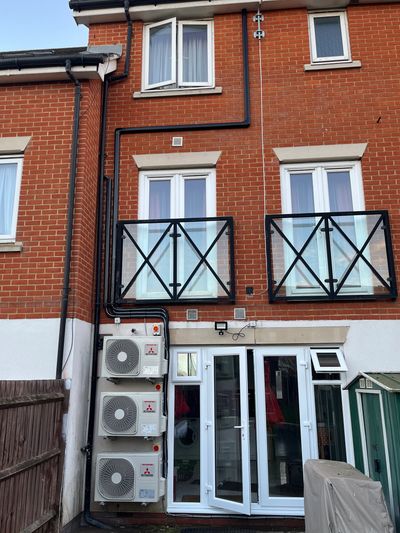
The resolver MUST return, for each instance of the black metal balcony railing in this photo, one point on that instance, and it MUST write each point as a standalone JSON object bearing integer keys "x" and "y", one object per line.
{"x": 330, "y": 256}
{"x": 175, "y": 260}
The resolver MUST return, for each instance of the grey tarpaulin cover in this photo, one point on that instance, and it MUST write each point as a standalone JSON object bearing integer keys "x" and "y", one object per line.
{"x": 340, "y": 499}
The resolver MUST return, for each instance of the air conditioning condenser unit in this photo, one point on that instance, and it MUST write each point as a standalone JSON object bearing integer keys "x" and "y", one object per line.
{"x": 133, "y": 357}
{"x": 128, "y": 477}
{"x": 136, "y": 414}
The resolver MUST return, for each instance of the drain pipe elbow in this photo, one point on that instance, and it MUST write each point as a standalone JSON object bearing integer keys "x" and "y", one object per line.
{"x": 129, "y": 21}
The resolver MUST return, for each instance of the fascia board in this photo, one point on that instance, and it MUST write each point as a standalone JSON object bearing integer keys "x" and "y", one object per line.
{"x": 196, "y": 9}
{"x": 92, "y": 72}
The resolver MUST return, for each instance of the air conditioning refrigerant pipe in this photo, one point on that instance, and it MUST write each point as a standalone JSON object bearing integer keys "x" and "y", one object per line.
{"x": 112, "y": 310}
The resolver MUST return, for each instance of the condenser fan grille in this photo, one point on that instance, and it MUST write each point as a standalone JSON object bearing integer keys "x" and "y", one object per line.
{"x": 119, "y": 414}
{"x": 116, "y": 479}
{"x": 122, "y": 356}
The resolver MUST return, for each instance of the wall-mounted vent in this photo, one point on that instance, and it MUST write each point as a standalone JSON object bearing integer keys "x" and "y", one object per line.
{"x": 177, "y": 141}
{"x": 192, "y": 314}
{"x": 239, "y": 313}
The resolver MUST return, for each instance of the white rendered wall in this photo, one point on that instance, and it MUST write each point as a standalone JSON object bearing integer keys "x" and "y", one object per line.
{"x": 371, "y": 345}
{"x": 28, "y": 348}
{"x": 78, "y": 345}
{"x": 28, "y": 351}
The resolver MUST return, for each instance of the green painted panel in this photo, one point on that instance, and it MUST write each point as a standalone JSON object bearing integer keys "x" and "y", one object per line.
{"x": 374, "y": 438}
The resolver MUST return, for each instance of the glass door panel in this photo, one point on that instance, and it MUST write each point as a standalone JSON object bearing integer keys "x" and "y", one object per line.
{"x": 195, "y": 244}
{"x": 283, "y": 427}
{"x": 230, "y": 474}
{"x": 302, "y": 198}
{"x": 187, "y": 444}
{"x": 151, "y": 236}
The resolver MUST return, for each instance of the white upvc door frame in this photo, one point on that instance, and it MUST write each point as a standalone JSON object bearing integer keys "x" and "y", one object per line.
{"x": 228, "y": 505}
{"x": 271, "y": 504}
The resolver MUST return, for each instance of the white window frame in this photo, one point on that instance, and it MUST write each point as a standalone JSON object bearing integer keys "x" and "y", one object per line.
{"x": 177, "y": 177}
{"x": 177, "y": 192}
{"x": 146, "y": 54}
{"x": 314, "y": 352}
{"x": 11, "y": 237}
{"x": 186, "y": 379}
{"x": 176, "y": 52}
{"x": 345, "y": 37}
{"x": 319, "y": 172}
{"x": 210, "y": 59}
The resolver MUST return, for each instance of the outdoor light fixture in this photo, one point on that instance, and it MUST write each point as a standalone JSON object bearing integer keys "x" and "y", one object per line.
{"x": 220, "y": 327}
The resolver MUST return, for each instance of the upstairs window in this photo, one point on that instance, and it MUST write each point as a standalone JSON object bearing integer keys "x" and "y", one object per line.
{"x": 178, "y": 54}
{"x": 10, "y": 182}
{"x": 329, "y": 39}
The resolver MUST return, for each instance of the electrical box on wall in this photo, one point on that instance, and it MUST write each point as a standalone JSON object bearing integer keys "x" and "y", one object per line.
{"x": 137, "y": 414}
{"x": 133, "y": 357}
{"x": 128, "y": 477}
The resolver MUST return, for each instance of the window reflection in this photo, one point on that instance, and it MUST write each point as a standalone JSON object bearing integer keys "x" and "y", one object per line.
{"x": 187, "y": 443}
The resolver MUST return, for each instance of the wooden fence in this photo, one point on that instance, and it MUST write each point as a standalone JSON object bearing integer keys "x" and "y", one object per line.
{"x": 31, "y": 455}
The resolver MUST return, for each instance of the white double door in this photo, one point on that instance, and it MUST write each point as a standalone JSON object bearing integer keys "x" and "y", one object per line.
{"x": 259, "y": 429}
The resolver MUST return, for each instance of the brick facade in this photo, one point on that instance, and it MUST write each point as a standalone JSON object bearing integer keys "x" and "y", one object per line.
{"x": 31, "y": 280}
{"x": 335, "y": 106}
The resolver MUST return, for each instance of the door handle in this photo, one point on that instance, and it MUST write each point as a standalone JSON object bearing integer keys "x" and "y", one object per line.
{"x": 377, "y": 465}
{"x": 237, "y": 427}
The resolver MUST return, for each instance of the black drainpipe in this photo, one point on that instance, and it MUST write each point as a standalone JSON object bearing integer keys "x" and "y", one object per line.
{"x": 70, "y": 221}
{"x": 99, "y": 244}
{"x": 111, "y": 309}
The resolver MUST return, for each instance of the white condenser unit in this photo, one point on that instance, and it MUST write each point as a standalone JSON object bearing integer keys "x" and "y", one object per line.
{"x": 133, "y": 357}
{"x": 132, "y": 477}
{"x": 136, "y": 414}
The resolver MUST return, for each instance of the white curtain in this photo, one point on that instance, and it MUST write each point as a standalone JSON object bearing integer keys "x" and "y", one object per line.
{"x": 195, "y": 54}
{"x": 160, "y": 54}
{"x": 8, "y": 178}
{"x": 328, "y": 36}
{"x": 340, "y": 197}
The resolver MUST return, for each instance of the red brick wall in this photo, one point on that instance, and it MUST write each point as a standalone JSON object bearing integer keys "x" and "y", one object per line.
{"x": 31, "y": 280}
{"x": 300, "y": 108}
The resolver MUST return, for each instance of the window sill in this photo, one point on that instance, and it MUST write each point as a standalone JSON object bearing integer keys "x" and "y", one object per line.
{"x": 332, "y": 66}
{"x": 177, "y": 92}
{"x": 11, "y": 246}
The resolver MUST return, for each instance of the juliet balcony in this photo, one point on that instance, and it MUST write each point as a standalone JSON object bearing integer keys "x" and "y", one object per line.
{"x": 330, "y": 256}
{"x": 175, "y": 260}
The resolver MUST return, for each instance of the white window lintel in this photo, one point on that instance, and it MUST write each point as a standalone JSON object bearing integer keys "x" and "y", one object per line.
{"x": 321, "y": 153}
{"x": 13, "y": 145}
{"x": 177, "y": 160}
